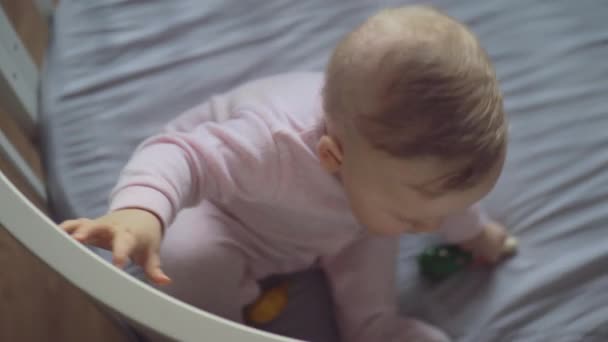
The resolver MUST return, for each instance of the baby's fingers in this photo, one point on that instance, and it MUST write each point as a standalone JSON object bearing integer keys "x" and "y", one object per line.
{"x": 153, "y": 270}
{"x": 123, "y": 246}
{"x": 93, "y": 234}
{"x": 70, "y": 226}
{"x": 88, "y": 231}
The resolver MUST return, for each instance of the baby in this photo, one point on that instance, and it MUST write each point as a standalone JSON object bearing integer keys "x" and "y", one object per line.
{"x": 404, "y": 133}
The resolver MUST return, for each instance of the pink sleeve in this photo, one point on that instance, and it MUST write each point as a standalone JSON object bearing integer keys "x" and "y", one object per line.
{"x": 210, "y": 160}
{"x": 464, "y": 226}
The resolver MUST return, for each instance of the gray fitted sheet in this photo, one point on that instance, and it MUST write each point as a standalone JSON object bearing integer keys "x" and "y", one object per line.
{"x": 117, "y": 70}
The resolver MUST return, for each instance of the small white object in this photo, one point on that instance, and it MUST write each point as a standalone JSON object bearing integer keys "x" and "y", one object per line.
{"x": 511, "y": 245}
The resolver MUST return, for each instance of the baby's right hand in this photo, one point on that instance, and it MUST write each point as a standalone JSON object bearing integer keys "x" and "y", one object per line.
{"x": 133, "y": 233}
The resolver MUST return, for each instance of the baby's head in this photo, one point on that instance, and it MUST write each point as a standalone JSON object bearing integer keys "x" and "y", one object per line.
{"x": 416, "y": 129}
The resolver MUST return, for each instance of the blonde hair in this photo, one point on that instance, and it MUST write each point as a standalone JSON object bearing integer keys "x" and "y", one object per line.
{"x": 416, "y": 83}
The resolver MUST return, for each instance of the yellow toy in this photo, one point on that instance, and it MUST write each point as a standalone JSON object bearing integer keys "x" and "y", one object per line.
{"x": 268, "y": 306}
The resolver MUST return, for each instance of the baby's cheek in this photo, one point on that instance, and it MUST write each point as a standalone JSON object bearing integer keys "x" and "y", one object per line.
{"x": 453, "y": 204}
{"x": 416, "y": 204}
{"x": 439, "y": 208}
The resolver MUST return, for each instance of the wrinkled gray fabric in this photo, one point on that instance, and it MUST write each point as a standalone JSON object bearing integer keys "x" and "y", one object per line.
{"x": 118, "y": 69}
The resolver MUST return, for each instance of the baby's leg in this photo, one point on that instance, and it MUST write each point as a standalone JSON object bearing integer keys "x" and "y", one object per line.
{"x": 362, "y": 278}
{"x": 207, "y": 263}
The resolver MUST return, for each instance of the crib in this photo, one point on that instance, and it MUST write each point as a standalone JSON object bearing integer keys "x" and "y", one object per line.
{"x": 115, "y": 71}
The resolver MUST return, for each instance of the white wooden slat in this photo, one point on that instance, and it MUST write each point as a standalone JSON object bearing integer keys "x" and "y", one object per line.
{"x": 7, "y": 149}
{"x": 19, "y": 78}
{"x": 46, "y": 7}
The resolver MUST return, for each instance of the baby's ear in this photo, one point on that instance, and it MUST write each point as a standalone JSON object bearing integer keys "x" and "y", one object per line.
{"x": 330, "y": 154}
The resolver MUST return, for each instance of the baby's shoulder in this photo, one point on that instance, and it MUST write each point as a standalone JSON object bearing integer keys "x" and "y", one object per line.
{"x": 293, "y": 83}
{"x": 287, "y": 101}
{"x": 289, "y": 105}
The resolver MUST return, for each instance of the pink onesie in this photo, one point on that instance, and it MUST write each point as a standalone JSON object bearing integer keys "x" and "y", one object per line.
{"x": 238, "y": 184}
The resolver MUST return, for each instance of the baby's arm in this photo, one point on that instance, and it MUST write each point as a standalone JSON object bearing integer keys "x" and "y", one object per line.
{"x": 475, "y": 231}
{"x": 176, "y": 169}
{"x": 362, "y": 279}
{"x": 211, "y": 160}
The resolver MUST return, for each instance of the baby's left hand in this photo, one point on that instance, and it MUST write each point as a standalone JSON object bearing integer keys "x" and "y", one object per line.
{"x": 492, "y": 245}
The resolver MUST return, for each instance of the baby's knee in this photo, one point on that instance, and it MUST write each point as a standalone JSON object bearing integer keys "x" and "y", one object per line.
{"x": 211, "y": 276}
{"x": 203, "y": 258}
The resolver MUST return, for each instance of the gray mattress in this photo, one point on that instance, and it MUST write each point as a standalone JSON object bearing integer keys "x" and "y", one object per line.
{"x": 119, "y": 69}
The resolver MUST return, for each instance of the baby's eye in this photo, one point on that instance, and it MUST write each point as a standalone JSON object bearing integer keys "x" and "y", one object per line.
{"x": 427, "y": 193}
{"x": 432, "y": 194}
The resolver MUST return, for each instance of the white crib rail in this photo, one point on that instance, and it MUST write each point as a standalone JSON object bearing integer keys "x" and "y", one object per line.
{"x": 127, "y": 296}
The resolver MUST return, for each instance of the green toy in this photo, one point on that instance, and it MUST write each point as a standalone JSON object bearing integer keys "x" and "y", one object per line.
{"x": 439, "y": 262}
